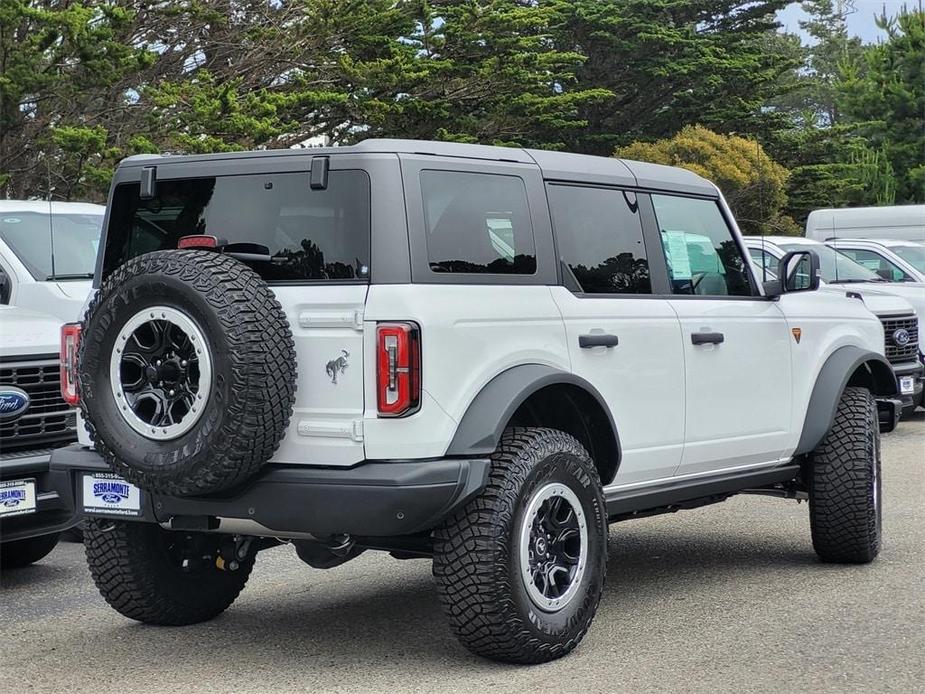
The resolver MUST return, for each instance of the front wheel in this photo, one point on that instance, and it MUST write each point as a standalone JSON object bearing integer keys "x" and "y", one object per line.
{"x": 845, "y": 507}
{"x": 164, "y": 577}
{"x": 520, "y": 569}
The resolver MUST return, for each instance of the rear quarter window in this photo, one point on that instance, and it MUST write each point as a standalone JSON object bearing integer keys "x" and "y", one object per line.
{"x": 477, "y": 223}
{"x": 310, "y": 235}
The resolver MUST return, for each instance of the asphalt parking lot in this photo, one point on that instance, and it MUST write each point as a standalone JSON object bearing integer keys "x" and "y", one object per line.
{"x": 729, "y": 598}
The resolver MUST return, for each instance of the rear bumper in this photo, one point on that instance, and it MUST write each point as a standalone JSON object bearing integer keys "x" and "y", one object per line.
{"x": 375, "y": 499}
{"x": 54, "y": 510}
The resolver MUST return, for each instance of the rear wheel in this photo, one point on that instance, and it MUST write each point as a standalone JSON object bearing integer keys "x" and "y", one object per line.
{"x": 845, "y": 502}
{"x": 520, "y": 569}
{"x": 19, "y": 553}
{"x": 164, "y": 577}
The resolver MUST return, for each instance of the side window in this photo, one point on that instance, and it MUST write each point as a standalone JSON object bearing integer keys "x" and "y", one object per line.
{"x": 765, "y": 261}
{"x": 599, "y": 235}
{"x": 877, "y": 263}
{"x": 477, "y": 223}
{"x": 703, "y": 257}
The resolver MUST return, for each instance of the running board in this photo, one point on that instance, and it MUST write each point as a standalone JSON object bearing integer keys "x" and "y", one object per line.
{"x": 692, "y": 493}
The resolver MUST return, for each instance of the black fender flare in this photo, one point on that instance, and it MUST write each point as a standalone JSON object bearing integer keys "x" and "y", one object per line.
{"x": 480, "y": 428}
{"x": 831, "y": 382}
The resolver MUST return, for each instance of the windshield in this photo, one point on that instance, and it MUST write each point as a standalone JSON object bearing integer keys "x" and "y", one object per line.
{"x": 71, "y": 238}
{"x": 835, "y": 267}
{"x": 914, "y": 255}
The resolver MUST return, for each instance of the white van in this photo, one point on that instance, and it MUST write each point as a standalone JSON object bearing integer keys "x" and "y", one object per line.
{"x": 901, "y": 222}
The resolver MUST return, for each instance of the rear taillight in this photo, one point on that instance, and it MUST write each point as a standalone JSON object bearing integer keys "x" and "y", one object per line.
{"x": 70, "y": 341}
{"x": 398, "y": 368}
{"x": 198, "y": 241}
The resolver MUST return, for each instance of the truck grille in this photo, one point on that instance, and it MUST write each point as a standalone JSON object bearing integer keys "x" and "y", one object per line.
{"x": 49, "y": 421}
{"x": 897, "y": 353}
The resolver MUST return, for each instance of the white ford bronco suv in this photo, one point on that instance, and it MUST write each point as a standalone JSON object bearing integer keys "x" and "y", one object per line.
{"x": 477, "y": 355}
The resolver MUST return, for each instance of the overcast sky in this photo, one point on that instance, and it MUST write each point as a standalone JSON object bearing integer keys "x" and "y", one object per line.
{"x": 860, "y": 23}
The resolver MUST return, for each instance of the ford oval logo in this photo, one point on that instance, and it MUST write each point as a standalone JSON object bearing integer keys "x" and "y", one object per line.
{"x": 13, "y": 402}
{"x": 901, "y": 337}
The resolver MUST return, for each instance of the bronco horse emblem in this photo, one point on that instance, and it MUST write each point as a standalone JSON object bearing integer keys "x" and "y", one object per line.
{"x": 337, "y": 365}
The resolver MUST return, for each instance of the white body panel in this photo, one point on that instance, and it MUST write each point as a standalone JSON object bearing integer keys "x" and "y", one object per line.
{"x": 727, "y": 423}
{"x": 642, "y": 378}
{"x": 469, "y": 335}
{"x": 327, "y": 421}
{"x": 826, "y": 322}
{"x": 26, "y": 333}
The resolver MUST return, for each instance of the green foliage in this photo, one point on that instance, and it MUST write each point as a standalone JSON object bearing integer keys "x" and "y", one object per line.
{"x": 61, "y": 65}
{"x": 753, "y": 184}
{"x": 887, "y": 99}
{"x": 832, "y": 167}
{"x": 87, "y": 82}
{"x": 668, "y": 63}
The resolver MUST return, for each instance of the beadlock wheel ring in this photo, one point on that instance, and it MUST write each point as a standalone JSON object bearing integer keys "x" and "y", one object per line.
{"x": 160, "y": 373}
{"x": 553, "y": 547}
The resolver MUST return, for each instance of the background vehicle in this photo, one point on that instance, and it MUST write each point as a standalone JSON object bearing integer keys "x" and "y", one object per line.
{"x": 474, "y": 354}
{"x": 899, "y": 306}
{"x": 894, "y": 261}
{"x": 48, "y": 254}
{"x": 903, "y": 222}
{"x": 34, "y": 419}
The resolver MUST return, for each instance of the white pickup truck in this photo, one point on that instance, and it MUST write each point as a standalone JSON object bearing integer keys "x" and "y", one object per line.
{"x": 47, "y": 257}
{"x": 48, "y": 254}
{"x": 34, "y": 420}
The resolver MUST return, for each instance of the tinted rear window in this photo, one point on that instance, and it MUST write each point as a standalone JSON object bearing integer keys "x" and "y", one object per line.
{"x": 311, "y": 235}
{"x": 477, "y": 223}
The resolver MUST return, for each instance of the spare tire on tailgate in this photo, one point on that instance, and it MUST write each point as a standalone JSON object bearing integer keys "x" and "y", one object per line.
{"x": 187, "y": 372}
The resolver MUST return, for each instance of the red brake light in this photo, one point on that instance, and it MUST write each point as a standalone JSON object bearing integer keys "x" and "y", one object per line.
{"x": 70, "y": 341}
{"x": 398, "y": 368}
{"x": 201, "y": 241}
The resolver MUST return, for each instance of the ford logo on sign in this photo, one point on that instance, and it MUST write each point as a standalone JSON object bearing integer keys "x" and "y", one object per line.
{"x": 13, "y": 402}
{"x": 12, "y": 497}
{"x": 110, "y": 492}
{"x": 901, "y": 337}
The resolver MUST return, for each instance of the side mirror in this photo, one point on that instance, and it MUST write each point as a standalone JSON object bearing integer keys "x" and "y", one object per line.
{"x": 797, "y": 271}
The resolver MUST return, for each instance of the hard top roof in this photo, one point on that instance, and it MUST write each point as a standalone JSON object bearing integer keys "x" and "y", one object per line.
{"x": 561, "y": 166}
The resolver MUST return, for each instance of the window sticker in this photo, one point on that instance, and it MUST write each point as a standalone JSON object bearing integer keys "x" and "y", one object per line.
{"x": 676, "y": 245}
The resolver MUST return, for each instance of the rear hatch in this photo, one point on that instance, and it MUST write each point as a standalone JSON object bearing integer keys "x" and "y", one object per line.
{"x": 316, "y": 248}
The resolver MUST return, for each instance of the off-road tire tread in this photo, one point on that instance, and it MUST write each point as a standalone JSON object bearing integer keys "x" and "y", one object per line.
{"x": 262, "y": 351}
{"x": 475, "y": 595}
{"x": 843, "y": 520}
{"x": 133, "y": 577}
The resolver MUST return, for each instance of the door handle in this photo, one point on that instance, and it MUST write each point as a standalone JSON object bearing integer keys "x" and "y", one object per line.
{"x": 598, "y": 340}
{"x": 707, "y": 338}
